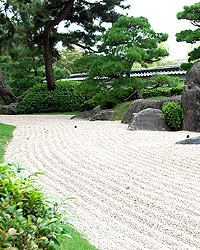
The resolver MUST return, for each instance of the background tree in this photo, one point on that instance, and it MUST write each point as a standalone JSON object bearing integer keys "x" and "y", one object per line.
{"x": 37, "y": 22}
{"x": 191, "y": 13}
{"x": 67, "y": 59}
{"x": 130, "y": 40}
{"x": 25, "y": 72}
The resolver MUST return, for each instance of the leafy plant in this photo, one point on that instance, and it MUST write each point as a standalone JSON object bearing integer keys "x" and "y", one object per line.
{"x": 173, "y": 114}
{"x": 162, "y": 91}
{"x": 28, "y": 219}
{"x": 39, "y": 99}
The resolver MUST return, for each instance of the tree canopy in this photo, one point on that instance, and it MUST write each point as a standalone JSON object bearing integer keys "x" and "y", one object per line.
{"x": 130, "y": 40}
{"x": 35, "y": 23}
{"x": 192, "y": 14}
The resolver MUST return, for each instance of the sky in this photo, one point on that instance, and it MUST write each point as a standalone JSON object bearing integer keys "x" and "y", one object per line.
{"x": 162, "y": 17}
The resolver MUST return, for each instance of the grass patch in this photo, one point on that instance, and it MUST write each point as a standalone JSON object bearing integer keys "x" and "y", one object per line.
{"x": 6, "y": 133}
{"x": 77, "y": 242}
{"x": 120, "y": 110}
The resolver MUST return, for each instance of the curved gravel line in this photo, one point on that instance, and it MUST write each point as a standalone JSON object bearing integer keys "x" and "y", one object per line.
{"x": 133, "y": 189}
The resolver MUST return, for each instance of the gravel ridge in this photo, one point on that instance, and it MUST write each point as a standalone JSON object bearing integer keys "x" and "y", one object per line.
{"x": 133, "y": 189}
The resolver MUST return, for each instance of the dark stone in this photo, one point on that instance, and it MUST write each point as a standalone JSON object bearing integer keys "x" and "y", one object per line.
{"x": 10, "y": 109}
{"x": 195, "y": 140}
{"x": 141, "y": 104}
{"x": 94, "y": 115}
{"x": 191, "y": 99}
{"x": 148, "y": 119}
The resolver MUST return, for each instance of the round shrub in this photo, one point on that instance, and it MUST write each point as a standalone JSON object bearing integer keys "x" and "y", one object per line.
{"x": 173, "y": 114}
{"x": 63, "y": 99}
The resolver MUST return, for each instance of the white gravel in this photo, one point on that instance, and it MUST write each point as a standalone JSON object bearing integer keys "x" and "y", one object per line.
{"x": 133, "y": 189}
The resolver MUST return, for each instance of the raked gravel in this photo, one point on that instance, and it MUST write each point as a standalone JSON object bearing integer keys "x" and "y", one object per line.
{"x": 133, "y": 189}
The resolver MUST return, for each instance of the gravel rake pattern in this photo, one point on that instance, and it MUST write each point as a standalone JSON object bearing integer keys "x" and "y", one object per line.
{"x": 133, "y": 189}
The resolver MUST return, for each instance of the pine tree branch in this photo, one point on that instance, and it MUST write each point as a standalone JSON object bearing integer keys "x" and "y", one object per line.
{"x": 61, "y": 15}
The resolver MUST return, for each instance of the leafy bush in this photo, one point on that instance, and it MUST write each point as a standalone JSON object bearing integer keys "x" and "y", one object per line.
{"x": 161, "y": 91}
{"x": 28, "y": 219}
{"x": 105, "y": 100}
{"x": 147, "y": 93}
{"x": 109, "y": 98}
{"x": 39, "y": 99}
{"x": 173, "y": 114}
{"x": 159, "y": 80}
{"x": 88, "y": 105}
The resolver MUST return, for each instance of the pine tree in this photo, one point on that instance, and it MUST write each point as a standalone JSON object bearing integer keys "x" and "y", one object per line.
{"x": 36, "y": 22}
{"x": 130, "y": 40}
{"x": 192, "y": 14}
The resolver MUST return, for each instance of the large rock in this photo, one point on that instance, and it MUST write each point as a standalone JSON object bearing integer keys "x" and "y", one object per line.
{"x": 141, "y": 104}
{"x": 10, "y": 109}
{"x": 148, "y": 119}
{"x": 94, "y": 115}
{"x": 191, "y": 99}
{"x": 194, "y": 140}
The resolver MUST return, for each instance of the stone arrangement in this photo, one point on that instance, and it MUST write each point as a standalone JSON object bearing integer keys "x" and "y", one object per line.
{"x": 10, "y": 109}
{"x": 94, "y": 115}
{"x": 142, "y": 104}
{"x": 195, "y": 140}
{"x": 191, "y": 99}
{"x": 148, "y": 119}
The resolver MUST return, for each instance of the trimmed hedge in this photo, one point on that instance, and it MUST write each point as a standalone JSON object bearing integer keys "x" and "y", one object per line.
{"x": 161, "y": 91}
{"x": 173, "y": 114}
{"x": 64, "y": 99}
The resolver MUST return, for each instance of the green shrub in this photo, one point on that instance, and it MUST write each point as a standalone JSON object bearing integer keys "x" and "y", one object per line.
{"x": 161, "y": 91}
{"x": 28, "y": 219}
{"x": 105, "y": 100}
{"x": 149, "y": 92}
{"x": 159, "y": 80}
{"x": 109, "y": 98}
{"x": 88, "y": 105}
{"x": 177, "y": 90}
{"x": 173, "y": 114}
{"x": 39, "y": 99}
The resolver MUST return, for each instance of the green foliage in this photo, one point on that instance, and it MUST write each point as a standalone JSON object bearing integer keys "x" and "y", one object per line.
{"x": 173, "y": 114}
{"x": 162, "y": 91}
{"x": 33, "y": 24}
{"x": 68, "y": 58}
{"x": 6, "y": 132}
{"x": 129, "y": 40}
{"x": 26, "y": 72}
{"x": 63, "y": 99}
{"x": 159, "y": 80}
{"x": 109, "y": 98}
{"x": 28, "y": 219}
{"x": 88, "y": 105}
{"x": 192, "y": 14}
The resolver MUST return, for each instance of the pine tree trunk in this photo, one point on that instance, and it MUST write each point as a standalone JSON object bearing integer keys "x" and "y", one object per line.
{"x": 47, "y": 47}
{"x": 5, "y": 91}
{"x": 48, "y": 62}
